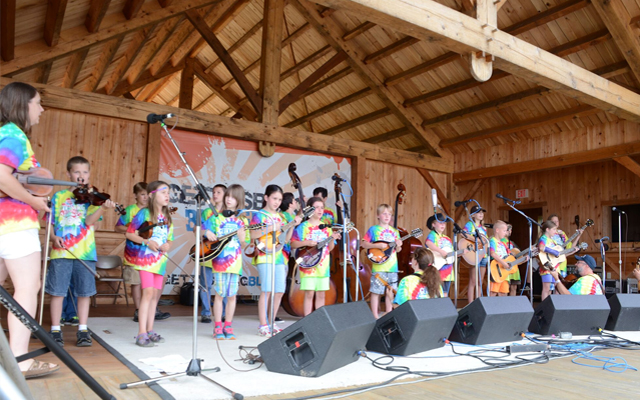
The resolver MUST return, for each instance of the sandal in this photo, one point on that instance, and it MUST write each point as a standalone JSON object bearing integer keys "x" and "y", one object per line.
{"x": 39, "y": 368}
{"x": 154, "y": 337}
{"x": 142, "y": 340}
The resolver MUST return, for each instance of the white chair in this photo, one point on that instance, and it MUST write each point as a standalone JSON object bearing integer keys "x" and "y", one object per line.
{"x": 107, "y": 263}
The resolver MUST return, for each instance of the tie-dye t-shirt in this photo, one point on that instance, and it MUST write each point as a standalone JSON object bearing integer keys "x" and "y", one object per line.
{"x": 16, "y": 152}
{"x": 308, "y": 231}
{"x": 69, "y": 224}
{"x": 515, "y": 276}
{"x": 546, "y": 241}
{"x": 588, "y": 284}
{"x": 470, "y": 228}
{"x": 328, "y": 217}
{"x": 259, "y": 218}
{"x": 500, "y": 248}
{"x": 286, "y": 250}
{"x": 443, "y": 242}
{"x": 141, "y": 256}
{"x": 561, "y": 238}
{"x": 389, "y": 234}
{"x": 125, "y": 220}
{"x": 230, "y": 258}
{"x": 410, "y": 288}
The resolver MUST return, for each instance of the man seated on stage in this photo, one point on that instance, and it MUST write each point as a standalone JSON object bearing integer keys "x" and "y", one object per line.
{"x": 588, "y": 283}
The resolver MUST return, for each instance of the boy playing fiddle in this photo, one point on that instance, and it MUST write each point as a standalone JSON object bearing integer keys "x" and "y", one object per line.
{"x": 73, "y": 240}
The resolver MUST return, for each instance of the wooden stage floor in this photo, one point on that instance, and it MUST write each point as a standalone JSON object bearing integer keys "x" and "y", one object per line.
{"x": 559, "y": 378}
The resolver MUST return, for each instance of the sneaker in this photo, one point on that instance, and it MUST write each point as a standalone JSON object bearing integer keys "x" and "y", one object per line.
{"x": 142, "y": 340}
{"x": 154, "y": 337}
{"x": 205, "y": 319}
{"x": 264, "y": 331}
{"x": 218, "y": 334}
{"x": 84, "y": 339}
{"x": 57, "y": 336}
{"x": 72, "y": 321}
{"x": 135, "y": 316}
{"x": 276, "y": 328}
{"x": 63, "y": 321}
{"x": 278, "y": 319}
{"x": 228, "y": 333}
{"x": 161, "y": 315}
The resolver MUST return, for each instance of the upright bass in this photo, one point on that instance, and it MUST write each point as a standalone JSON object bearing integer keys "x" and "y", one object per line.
{"x": 410, "y": 245}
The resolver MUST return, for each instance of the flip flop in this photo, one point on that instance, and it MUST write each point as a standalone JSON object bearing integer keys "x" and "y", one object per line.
{"x": 39, "y": 368}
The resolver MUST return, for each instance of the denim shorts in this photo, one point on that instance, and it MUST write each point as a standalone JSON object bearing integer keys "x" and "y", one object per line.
{"x": 63, "y": 270}
{"x": 265, "y": 277}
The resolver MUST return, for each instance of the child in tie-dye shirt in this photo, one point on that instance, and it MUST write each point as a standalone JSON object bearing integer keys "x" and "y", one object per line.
{"x": 73, "y": 240}
{"x": 329, "y": 216}
{"x": 315, "y": 280}
{"x": 227, "y": 266}
{"x": 147, "y": 255}
{"x": 20, "y": 256}
{"x": 424, "y": 283}
{"x": 440, "y": 243}
{"x": 388, "y": 270}
{"x": 470, "y": 228}
{"x": 546, "y": 244}
{"x": 499, "y": 252}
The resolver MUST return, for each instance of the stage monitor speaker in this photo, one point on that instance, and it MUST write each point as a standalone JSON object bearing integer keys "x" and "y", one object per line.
{"x": 625, "y": 313}
{"x": 327, "y": 339}
{"x": 578, "y": 314}
{"x": 492, "y": 320}
{"x": 414, "y": 327}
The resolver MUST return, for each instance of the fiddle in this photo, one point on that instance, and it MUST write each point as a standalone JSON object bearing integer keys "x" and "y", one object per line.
{"x": 145, "y": 230}
{"x": 86, "y": 194}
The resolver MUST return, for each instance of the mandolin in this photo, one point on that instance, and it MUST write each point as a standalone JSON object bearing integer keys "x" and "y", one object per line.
{"x": 379, "y": 256}
{"x": 210, "y": 249}
{"x": 500, "y": 274}
{"x": 309, "y": 257}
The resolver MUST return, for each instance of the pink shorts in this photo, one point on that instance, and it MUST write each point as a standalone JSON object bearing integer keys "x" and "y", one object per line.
{"x": 149, "y": 279}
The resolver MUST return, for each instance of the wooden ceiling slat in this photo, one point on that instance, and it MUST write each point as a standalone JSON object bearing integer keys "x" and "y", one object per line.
{"x": 97, "y": 11}
{"x": 149, "y": 95}
{"x": 53, "y": 21}
{"x": 422, "y": 68}
{"x": 391, "y": 49}
{"x": 7, "y": 29}
{"x": 358, "y": 30}
{"x": 73, "y": 68}
{"x": 106, "y": 56}
{"x": 296, "y": 94}
{"x": 138, "y": 41}
{"x": 146, "y": 78}
{"x": 184, "y": 30}
{"x": 307, "y": 61}
{"x": 365, "y": 119}
{"x": 132, "y": 8}
{"x": 202, "y": 27}
{"x": 248, "y": 35}
{"x": 330, "y": 80}
{"x": 616, "y": 18}
{"x": 330, "y": 107}
{"x": 383, "y": 137}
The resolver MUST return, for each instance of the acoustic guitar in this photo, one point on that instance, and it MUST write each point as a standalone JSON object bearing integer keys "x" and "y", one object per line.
{"x": 470, "y": 256}
{"x": 439, "y": 261}
{"x": 500, "y": 274}
{"x": 549, "y": 261}
{"x": 379, "y": 256}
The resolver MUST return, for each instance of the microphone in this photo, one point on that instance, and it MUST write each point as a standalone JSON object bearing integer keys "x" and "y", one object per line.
{"x": 228, "y": 213}
{"x": 337, "y": 178}
{"x": 461, "y": 203}
{"x": 507, "y": 200}
{"x": 490, "y": 226}
{"x": 617, "y": 210}
{"x": 604, "y": 239}
{"x": 155, "y": 118}
{"x": 322, "y": 226}
{"x": 434, "y": 200}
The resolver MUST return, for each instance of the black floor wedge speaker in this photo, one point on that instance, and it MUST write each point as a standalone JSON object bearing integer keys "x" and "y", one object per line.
{"x": 492, "y": 320}
{"x": 625, "y": 312}
{"x": 325, "y": 340}
{"x": 578, "y": 314}
{"x": 414, "y": 327}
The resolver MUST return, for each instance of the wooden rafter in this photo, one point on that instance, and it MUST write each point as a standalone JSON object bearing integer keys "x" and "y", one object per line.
{"x": 127, "y": 58}
{"x": 554, "y": 162}
{"x": 42, "y": 73}
{"x": 420, "y": 69}
{"x": 132, "y": 8}
{"x": 186, "y": 86}
{"x": 444, "y": 202}
{"x": 53, "y": 21}
{"x": 165, "y": 3}
{"x": 272, "y": 28}
{"x": 615, "y": 16}
{"x": 383, "y": 137}
{"x": 145, "y": 79}
{"x": 248, "y": 35}
{"x": 152, "y": 92}
{"x": 547, "y": 16}
{"x": 7, "y": 29}
{"x": 330, "y": 107}
{"x": 369, "y": 74}
{"x": 629, "y": 163}
{"x": 358, "y": 30}
{"x": 306, "y": 62}
{"x": 171, "y": 46}
{"x": 365, "y": 119}
{"x": 97, "y": 11}
{"x": 297, "y": 92}
{"x": 76, "y": 43}
{"x": 73, "y": 68}
{"x": 99, "y": 68}
{"x": 391, "y": 49}
{"x": 206, "y": 33}
{"x": 463, "y": 34}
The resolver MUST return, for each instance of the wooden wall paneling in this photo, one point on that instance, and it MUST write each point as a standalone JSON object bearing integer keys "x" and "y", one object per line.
{"x": 152, "y": 164}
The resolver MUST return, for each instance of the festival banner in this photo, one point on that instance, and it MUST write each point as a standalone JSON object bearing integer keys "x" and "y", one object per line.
{"x": 216, "y": 160}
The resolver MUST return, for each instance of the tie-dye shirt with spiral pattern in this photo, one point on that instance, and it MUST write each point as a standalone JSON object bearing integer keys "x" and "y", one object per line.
{"x": 230, "y": 258}
{"x": 140, "y": 255}
{"x": 70, "y": 224}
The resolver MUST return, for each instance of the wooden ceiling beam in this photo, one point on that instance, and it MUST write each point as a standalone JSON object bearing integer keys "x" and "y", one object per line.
{"x": 165, "y": 3}
{"x": 629, "y": 163}
{"x": 248, "y": 35}
{"x": 132, "y": 8}
{"x": 135, "y": 46}
{"x": 31, "y": 59}
{"x": 543, "y": 18}
{"x": 100, "y": 67}
{"x": 146, "y": 78}
{"x": 383, "y": 137}
{"x": 306, "y": 62}
{"x": 172, "y": 45}
{"x": 392, "y": 99}
{"x": 117, "y": 107}
{"x": 390, "y": 49}
{"x": 97, "y": 11}
{"x": 7, "y": 29}
{"x": 553, "y": 162}
{"x": 616, "y": 18}
{"x": 582, "y": 43}
{"x": 330, "y": 107}
{"x": 329, "y": 80}
{"x": 73, "y": 68}
{"x": 186, "y": 85}
{"x": 365, "y": 119}
{"x": 551, "y": 118}
{"x": 211, "y": 39}
{"x": 296, "y": 93}
{"x": 42, "y": 73}
{"x": 272, "y": 32}
{"x": 420, "y": 69}
{"x": 53, "y": 21}
{"x": 358, "y": 30}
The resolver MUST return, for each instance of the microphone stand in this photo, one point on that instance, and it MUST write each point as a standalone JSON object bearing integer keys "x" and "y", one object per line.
{"x": 619, "y": 250}
{"x": 194, "y": 368}
{"x": 603, "y": 256}
{"x": 531, "y": 221}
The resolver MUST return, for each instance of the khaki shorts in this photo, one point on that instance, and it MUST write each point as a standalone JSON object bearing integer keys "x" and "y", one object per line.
{"x": 131, "y": 275}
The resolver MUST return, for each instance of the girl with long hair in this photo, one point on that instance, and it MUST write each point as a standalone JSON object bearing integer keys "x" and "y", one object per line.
{"x": 424, "y": 283}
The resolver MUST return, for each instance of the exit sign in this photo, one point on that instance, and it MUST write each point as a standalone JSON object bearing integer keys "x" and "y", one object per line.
{"x": 522, "y": 193}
